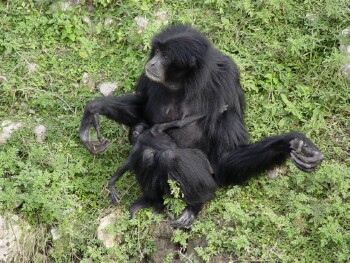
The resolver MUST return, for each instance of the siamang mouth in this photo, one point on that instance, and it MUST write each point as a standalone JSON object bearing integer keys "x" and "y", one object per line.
{"x": 152, "y": 76}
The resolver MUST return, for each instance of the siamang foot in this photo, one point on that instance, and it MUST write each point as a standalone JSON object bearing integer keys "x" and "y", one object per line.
{"x": 114, "y": 196}
{"x": 305, "y": 155}
{"x": 139, "y": 204}
{"x": 97, "y": 146}
{"x": 93, "y": 147}
{"x": 185, "y": 220}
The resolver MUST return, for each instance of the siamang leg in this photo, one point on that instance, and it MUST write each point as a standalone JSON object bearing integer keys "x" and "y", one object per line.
{"x": 125, "y": 109}
{"x": 249, "y": 160}
{"x": 117, "y": 175}
{"x": 144, "y": 202}
{"x": 187, "y": 216}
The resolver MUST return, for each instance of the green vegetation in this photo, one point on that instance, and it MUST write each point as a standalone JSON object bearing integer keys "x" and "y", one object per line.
{"x": 290, "y": 61}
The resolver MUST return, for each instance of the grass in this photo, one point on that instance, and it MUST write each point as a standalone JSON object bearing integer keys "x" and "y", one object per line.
{"x": 290, "y": 61}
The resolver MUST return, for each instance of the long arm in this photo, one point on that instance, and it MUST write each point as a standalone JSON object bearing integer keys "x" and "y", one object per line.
{"x": 126, "y": 109}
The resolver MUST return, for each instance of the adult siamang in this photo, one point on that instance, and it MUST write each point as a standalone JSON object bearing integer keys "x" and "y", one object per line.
{"x": 185, "y": 75}
{"x": 155, "y": 159}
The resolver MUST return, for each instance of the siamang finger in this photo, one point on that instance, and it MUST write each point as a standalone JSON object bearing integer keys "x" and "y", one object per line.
{"x": 314, "y": 157}
{"x": 301, "y": 165}
{"x": 96, "y": 125}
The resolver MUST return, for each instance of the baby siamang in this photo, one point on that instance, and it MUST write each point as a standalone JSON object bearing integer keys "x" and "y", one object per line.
{"x": 185, "y": 75}
{"x": 155, "y": 159}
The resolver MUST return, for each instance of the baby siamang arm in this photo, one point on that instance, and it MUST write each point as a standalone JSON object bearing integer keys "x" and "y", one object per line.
{"x": 114, "y": 195}
{"x": 158, "y": 128}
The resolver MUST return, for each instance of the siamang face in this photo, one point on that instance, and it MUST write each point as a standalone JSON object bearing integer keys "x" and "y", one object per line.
{"x": 156, "y": 67}
{"x": 136, "y": 131}
{"x": 169, "y": 64}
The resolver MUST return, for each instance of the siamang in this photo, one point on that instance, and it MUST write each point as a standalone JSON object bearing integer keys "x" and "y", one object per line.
{"x": 185, "y": 75}
{"x": 155, "y": 159}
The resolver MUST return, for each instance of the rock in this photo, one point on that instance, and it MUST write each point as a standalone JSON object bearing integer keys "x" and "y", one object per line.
{"x": 345, "y": 32}
{"x": 109, "y": 239}
{"x": 67, "y": 4}
{"x": 311, "y": 17}
{"x": 277, "y": 171}
{"x": 141, "y": 22}
{"x": 162, "y": 16}
{"x": 107, "y": 88}
{"x": 3, "y": 79}
{"x": 12, "y": 230}
{"x": 31, "y": 67}
{"x": 55, "y": 234}
{"x": 87, "y": 20}
{"x": 88, "y": 81}
{"x": 162, "y": 238}
{"x": 40, "y": 133}
{"x": 108, "y": 21}
{"x": 346, "y": 72}
{"x": 8, "y": 128}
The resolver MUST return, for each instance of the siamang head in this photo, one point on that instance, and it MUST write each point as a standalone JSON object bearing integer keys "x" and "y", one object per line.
{"x": 177, "y": 52}
{"x": 136, "y": 131}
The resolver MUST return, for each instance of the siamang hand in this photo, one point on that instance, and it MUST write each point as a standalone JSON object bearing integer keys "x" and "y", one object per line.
{"x": 304, "y": 154}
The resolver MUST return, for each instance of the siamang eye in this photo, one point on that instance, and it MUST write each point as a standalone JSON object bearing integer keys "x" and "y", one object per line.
{"x": 165, "y": 57}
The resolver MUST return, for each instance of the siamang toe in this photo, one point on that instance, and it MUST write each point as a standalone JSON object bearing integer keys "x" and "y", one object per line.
{"x": 305, "y": 155}
{"x": 115, "y": 198}
{"x": 95, "y": 147}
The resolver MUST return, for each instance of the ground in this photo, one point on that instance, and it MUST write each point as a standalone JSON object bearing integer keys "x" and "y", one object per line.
{"x": 294, "y": 58}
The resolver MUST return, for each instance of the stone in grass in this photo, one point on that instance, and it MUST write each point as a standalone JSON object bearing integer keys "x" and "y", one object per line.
{"x": 107, "y": 88}
{"x": 13, "y": 233}
{"x": 108, "y": 238}
{"x": 346, "y": 32}
{"x": 346, "y": 72}
{"x": 8, "y": 127}
{"x": 31, "y": 67}
{"x": 141, "y": 23}
{"x": 88, "y": 81}
{"x": 40, "y": 131}
{"x": 277, "y": 171}
{"x": 55, "y": 234}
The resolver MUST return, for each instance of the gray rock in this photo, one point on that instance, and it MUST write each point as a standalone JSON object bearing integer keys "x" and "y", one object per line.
{"x": 109, "y": 239}
{"x": 8, "y": 127}
{"x": 346, "y": 72}
{"x": 88, "y": 81}
{"x": 107, "y": 88}
{"x": 12, "y": 229}
{"x": 40, "y": 133}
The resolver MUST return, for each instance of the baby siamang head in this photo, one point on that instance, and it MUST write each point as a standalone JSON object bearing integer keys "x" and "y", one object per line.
{"x": 136, "y": 131}
{"x": 177, "y": 52}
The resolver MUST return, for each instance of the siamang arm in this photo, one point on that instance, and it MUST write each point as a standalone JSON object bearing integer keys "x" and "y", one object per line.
{"x": 114, "y": 195}
{"x": 158, "y": 128}
{"x": 126, "y": 109}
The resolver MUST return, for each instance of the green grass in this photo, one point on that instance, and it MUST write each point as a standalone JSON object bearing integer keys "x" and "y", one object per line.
{"x": 290, "y": 62}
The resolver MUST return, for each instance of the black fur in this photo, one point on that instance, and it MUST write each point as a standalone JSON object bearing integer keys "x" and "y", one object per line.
{"x": 155, "y": 159}
{"x": 197, "y": 79}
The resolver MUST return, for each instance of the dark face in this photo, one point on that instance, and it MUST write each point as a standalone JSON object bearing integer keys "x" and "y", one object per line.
{"x": 135, "y": 132}
{"x": 155, "y": 68}
{"x": 166, "y": 68}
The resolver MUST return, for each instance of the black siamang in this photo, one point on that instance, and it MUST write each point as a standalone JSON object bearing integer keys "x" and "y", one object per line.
{"x": 185, "y": 75}
{"x": 155, "y": 159}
